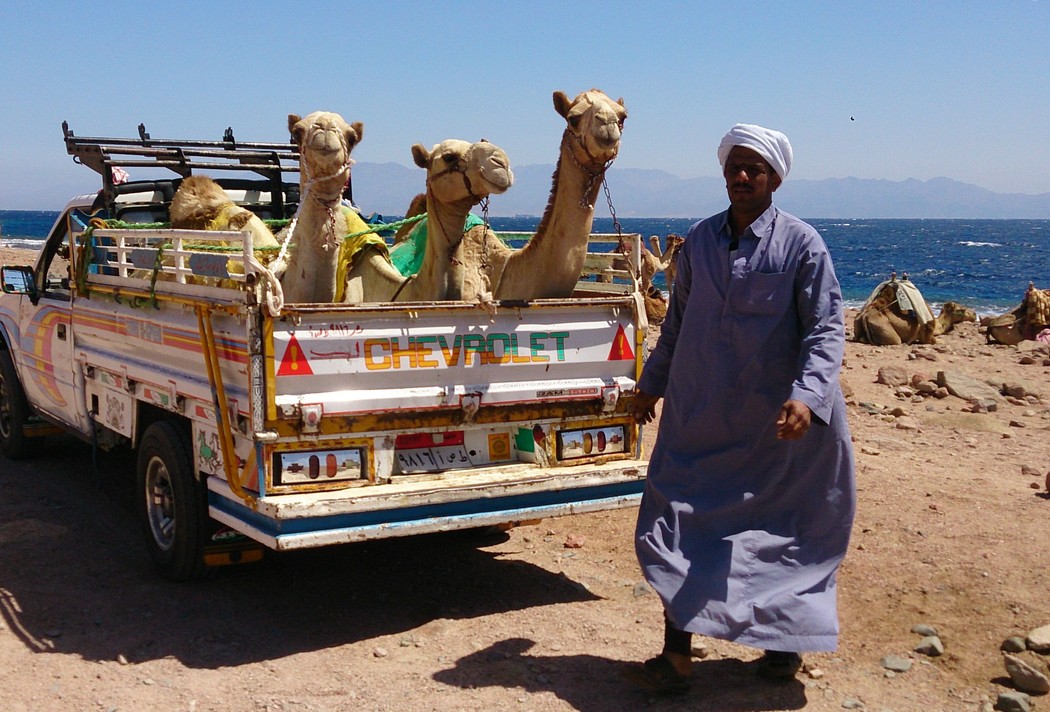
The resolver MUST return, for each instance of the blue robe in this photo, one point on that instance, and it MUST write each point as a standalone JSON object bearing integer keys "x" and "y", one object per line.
{"x": 739, "y": 533}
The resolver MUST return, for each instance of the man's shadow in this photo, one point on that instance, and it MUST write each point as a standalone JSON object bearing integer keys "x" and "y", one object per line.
{"x": 595, "y": 684}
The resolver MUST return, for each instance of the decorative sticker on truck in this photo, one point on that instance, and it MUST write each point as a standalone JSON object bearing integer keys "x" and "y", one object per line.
{"x": 439, "y": 351}
{"x": 38, "y": 351}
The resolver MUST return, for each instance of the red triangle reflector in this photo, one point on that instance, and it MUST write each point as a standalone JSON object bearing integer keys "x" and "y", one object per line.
{"x": 621, "y": 348}
{"x": 294, "y": 362}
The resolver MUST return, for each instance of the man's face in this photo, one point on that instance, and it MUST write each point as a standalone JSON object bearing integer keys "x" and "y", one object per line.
{"x": 750, "y": 180}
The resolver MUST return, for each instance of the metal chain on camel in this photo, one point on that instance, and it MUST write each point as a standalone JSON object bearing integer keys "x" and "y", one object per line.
{"x": 620, "y": 246}
{"x": 486, "y": 299}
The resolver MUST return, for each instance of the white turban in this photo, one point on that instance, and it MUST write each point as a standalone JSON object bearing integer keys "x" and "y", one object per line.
{"x": 771, "y": 145}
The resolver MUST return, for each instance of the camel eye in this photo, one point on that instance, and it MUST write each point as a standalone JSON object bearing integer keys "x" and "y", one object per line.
{"x": 574, "y": 121}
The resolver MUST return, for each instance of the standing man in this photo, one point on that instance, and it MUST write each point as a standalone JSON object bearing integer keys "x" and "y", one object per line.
{"x": 750, "y": 497}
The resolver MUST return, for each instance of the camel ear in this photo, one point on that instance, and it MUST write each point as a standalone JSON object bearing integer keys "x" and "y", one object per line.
{"x": 359, "y": 129}
{"x": 294, "y": 119}
{"x": 620, "y": 102}
{"x": 421, "y": 156}
{"x": 562, "y": 104}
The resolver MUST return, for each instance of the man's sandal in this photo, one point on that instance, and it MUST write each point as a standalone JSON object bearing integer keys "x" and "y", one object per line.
{"x": 777, "y": 665}
{"x": 657, "y": 675}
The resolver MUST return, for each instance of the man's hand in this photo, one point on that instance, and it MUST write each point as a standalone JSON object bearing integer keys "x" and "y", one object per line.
{"x": 793, "y": 421}
{"x": 644, "y": 408}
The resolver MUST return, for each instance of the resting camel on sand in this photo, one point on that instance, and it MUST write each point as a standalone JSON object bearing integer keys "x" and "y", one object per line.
{"x": 897, "y": 314}
{"x": 550, "y": 264}
{"x": 312, "y": 245}
{"x": 459, "y": 175}
{"x": 1022, "y": 322}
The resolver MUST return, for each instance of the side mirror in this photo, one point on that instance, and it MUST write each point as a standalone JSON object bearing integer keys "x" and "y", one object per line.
{"x": 18, "y": 280}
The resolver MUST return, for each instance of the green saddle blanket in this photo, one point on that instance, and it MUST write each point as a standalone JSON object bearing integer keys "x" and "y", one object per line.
{"x": 407, "y": 256}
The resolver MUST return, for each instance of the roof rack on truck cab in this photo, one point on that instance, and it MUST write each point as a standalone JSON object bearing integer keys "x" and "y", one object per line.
{"x": 271, "y": 197}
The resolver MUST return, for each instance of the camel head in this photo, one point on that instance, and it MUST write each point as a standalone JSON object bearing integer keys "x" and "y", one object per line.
{"x": 957, "y": 313}
{"x": 459, "y": 171}
{"x": 325, "y": 141}
{"x": 596, "y": 123}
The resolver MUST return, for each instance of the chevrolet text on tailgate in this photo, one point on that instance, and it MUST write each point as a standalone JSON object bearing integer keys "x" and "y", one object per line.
{"x": 259, "y": 424}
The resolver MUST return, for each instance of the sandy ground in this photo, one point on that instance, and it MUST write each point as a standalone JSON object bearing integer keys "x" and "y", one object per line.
{"x": 950, "y": 533}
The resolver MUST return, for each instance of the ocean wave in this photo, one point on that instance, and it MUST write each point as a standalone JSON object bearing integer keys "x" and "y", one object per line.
{"x": 21, "y": 242}
{"x": 971, "y": 243}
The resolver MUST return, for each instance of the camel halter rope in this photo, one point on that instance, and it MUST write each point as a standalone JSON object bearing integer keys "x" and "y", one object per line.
{"x": 455, "y": 245}
{"x": 595, "y": 176}
{"x": 329, "y": 204}
{"x": 274, "y": 292}
{"x": 485, "y": 297}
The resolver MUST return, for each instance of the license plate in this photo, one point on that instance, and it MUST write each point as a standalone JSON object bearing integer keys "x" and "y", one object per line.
{"x": 432, "y": 459}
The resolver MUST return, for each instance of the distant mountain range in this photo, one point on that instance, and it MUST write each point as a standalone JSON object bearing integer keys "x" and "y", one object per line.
{"x": 386, "y": 188}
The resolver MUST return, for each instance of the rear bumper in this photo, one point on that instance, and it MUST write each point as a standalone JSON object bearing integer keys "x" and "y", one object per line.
{"x": 450, "y": 502}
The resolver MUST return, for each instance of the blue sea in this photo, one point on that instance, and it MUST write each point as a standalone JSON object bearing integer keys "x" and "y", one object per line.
{"x": 983, "y": 264}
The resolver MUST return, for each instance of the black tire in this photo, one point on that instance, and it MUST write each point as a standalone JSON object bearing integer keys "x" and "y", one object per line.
{"x": 14, "y": 410}
{"x": 171, "y": 502}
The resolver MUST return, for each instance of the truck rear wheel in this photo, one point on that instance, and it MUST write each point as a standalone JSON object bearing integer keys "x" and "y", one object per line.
{"x": 172, "y": 502}
{"x": 14, "y": 410}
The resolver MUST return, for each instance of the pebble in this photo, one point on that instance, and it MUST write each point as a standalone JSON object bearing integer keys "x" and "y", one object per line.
{"x": 1039, "y": 639}
{"x": 906, "y": 423}
{"x": 1013, "y": 644}
{"x": 852, "y": 703}
{"x": 892, "y": 376}
{"x": 923, "y": 629}
{"x": 380, "y": 652}
{"x": 1013, "y": 702}
{"x": 930, "y": 645}
{"x": 896, "y": 663}
{"x": 1025, "y": 676}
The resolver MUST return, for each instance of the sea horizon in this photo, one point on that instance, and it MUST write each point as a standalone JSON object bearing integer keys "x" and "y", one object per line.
{"x": 983, "y": 263}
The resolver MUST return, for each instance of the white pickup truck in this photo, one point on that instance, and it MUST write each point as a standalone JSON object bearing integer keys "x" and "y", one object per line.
{"x": 321, "y": 423}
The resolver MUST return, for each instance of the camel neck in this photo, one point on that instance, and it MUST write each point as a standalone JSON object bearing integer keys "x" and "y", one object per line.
{"x": 574, "y": 188}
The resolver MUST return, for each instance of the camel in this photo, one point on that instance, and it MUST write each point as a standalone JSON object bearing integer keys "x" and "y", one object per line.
{"x": 201, "y": 204}
{"x": 654, "y": 260}
{"x": 550, "y": 263}
{"x": 666, "y": 258}
{"x": 313, "y": 247}
{"x": 459, "y": 175}
{"x": 896, "y": 313}
{"x": 1022, "y": 322}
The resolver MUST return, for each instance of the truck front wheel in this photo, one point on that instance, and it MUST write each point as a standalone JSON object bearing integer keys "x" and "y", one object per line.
{"x": 14, "y": 410}
{"x": 172, "y": 502}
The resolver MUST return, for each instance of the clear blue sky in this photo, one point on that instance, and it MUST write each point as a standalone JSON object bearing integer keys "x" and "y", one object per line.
{"x": 888, "y": 90}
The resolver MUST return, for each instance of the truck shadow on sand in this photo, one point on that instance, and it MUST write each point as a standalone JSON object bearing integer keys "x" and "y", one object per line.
{"x": 595, "y": 684}
{"x": 75, "y": 578}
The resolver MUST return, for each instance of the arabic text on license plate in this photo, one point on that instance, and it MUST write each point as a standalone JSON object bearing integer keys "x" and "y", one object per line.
{"x": 432, "y": 459}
